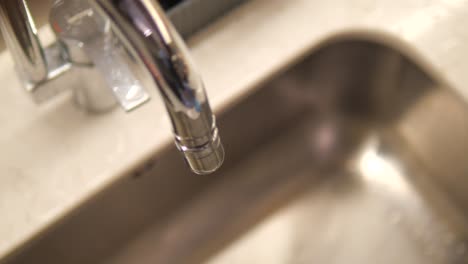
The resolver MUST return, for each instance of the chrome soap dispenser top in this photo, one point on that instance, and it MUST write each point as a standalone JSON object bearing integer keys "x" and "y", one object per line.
{"x": 115, "y": 43}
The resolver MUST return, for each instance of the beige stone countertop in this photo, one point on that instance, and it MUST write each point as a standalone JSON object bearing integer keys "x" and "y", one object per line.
{"x": 53, "y": 157}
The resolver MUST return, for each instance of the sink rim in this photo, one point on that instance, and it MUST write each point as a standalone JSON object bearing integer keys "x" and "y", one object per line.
{"x": 334, "y": 38}
{"x": 292, "y": 15}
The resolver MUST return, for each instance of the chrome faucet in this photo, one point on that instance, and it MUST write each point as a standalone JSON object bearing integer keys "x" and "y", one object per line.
{"x": 108, "y": 49}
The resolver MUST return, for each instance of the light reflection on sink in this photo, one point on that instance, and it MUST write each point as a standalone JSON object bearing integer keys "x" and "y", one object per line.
{"x": 354, "y": 155}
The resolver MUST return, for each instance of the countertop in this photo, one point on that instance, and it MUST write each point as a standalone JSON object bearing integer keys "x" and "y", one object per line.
{"x": 53, "y": 157}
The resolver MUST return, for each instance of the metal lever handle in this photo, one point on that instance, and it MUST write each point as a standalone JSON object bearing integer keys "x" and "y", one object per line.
{"x": 77, "y": 25}
{"x": 47, "y": 71}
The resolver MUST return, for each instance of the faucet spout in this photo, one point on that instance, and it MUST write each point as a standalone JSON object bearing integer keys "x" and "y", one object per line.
{"x": 143, "y": 28}
{"x": 104, "y": 44}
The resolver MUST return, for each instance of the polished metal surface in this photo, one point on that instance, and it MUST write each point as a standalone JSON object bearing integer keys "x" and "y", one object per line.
{"x": 187, "y": 16}
{"x": 105, "y": 49}
{"x": 25, "y": 47}
{"x": 361, "y": 160}
{"x": 144, "y": 28}
{"x": 89, "y": 40}
{"x": 46, "y": 71}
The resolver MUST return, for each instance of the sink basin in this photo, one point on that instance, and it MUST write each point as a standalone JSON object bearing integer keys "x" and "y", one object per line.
{"x": 355, "y": 154}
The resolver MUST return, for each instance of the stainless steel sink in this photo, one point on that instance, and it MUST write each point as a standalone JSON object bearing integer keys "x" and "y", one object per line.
{"x": 353, "y": 155}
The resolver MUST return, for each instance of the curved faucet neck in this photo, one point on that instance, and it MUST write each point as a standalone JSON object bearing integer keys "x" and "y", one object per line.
{"x": 108, "y": 45}
{"x": 143, "y": 27}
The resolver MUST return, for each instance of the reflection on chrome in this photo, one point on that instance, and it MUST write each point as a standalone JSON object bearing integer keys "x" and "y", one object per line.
{"x": 106, "y": 50}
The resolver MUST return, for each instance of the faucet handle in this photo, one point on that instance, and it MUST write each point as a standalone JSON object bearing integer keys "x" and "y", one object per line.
{"x": 112, "y": 61}
{"x": 90, "y": 36}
